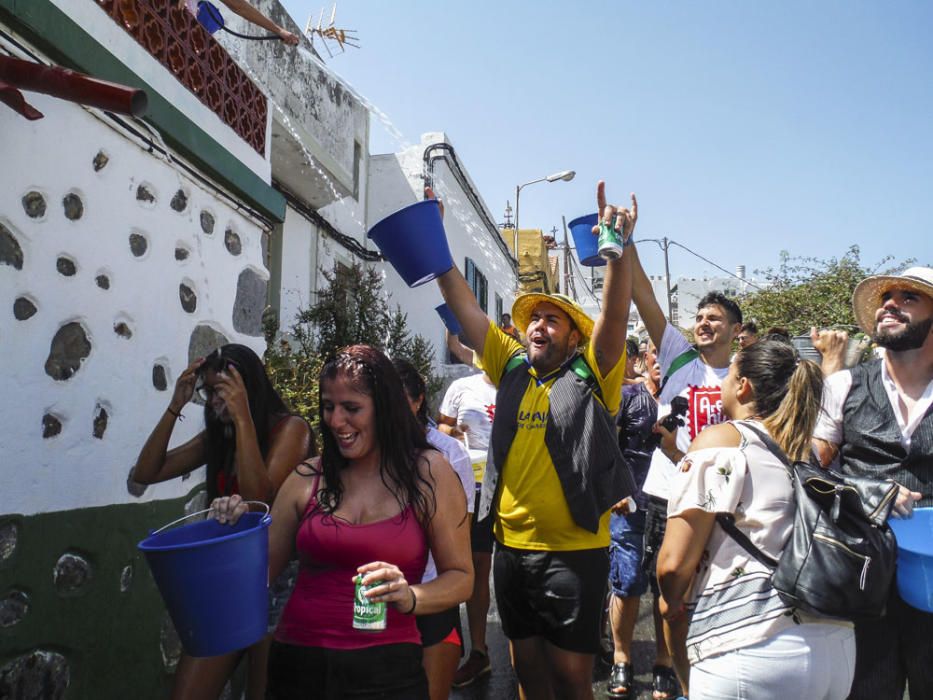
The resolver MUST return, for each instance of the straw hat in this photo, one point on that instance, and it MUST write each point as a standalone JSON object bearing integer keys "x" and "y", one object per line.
{"x": 867, "y": 297}
{"x": 526, "y": 303}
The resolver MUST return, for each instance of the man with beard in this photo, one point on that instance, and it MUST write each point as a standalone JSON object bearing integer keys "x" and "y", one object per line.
{"x": 554, "y": 467}
{"x": 878, "y": 420}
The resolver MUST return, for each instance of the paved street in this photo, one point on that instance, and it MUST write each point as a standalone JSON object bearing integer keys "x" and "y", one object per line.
{"x": 501, "y": 683}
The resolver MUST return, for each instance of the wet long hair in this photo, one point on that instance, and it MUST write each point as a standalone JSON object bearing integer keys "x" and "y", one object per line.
{"x": 400, "y": 438}
{"x": 264, "y": 405}
{"x": 788, "y": 392}
{"x": 414, "y": 386}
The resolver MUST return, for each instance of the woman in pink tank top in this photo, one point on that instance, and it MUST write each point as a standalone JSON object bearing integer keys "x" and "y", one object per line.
{"x": 373, "y": 504}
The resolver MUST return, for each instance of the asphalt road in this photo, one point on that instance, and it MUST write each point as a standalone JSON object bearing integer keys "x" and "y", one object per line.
{"x": 502, "y": 685}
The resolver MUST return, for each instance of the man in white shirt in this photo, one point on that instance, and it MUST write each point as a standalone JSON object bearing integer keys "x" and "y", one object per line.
{"x": 694, "y": 373}
{"x": 877, "y": 419}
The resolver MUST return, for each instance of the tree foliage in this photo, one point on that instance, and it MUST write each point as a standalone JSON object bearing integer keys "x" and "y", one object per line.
{"x": 806, "y": 291}
{"x": 352, "y": 308}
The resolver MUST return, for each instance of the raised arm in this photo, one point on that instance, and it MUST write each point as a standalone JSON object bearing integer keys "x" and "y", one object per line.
{"x": 461, "y": 301}
{"x": 648, "y": 308}
{"x": 251, "y": 14}
{"x": 611, "y": 326}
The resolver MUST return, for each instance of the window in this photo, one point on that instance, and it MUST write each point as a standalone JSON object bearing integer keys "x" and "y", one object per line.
{"x": 357, "y": 159}
{"x": 498, "y": 309}
{"x": 477, "y": 282}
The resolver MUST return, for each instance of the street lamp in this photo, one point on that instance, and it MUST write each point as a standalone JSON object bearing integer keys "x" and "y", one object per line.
{"x": 565, "y": 175}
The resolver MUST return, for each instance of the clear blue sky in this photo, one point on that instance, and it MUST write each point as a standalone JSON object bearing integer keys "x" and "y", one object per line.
{"x": 745, "y": 128}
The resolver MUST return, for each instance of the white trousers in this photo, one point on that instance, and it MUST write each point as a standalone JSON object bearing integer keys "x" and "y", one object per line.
{"x": 812, "y": 661}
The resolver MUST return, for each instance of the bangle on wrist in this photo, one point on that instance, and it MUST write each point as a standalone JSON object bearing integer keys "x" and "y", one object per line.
{"x": 414, "y": 602}
{"x": 178, "y": 414}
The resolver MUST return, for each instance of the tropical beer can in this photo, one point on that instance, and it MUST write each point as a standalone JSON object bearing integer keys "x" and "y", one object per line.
{"x": 367, "y": 615}
{"x": 609, "y": 243}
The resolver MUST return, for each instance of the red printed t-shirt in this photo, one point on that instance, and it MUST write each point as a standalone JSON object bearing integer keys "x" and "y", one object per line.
{"x": 701, "y": 385}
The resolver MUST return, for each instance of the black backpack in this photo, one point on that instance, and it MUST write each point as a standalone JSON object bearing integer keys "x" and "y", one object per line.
{"x": 840, "y": 559}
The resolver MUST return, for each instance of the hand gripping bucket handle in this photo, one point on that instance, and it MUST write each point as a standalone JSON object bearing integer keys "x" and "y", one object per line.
{"x": 213, "y": 578}
{"x": 208, "y": 510}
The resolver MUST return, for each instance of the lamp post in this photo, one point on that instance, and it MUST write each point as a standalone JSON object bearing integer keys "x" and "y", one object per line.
{"x": 565, "y": 175}
{"x": 664, "y": 244}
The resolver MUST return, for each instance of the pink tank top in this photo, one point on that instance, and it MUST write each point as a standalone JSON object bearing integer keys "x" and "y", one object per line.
{"x": 319, "y": 612}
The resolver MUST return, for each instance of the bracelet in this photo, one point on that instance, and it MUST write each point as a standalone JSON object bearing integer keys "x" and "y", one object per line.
{"x": 178, "y": 416}
{"x": 414, "y": 602}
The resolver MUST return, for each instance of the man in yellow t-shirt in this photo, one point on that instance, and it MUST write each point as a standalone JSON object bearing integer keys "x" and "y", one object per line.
{"x": 550, "y": 573}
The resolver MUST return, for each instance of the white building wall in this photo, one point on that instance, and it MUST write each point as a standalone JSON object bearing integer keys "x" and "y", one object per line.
{"x": 73, "y": 469}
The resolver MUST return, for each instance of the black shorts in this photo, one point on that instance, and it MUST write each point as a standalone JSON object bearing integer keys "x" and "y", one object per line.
{"x": 436, "y": 627}
{"x": 481, "y": 532}
{"x": 387, "y": 672}
{"x": 655, "y": 526}
{"x": 555, "y": 595}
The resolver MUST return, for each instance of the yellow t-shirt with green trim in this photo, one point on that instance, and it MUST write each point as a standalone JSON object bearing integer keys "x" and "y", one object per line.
{"x": 532, "y": 512}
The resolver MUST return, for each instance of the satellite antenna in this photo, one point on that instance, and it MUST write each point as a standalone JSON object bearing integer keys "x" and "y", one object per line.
{"x": 329, "y": 33}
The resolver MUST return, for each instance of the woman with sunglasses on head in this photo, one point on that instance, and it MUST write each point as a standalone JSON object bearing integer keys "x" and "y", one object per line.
{"x": 378, "y": 499}
{"x": 744, "y": 640}
{"x": 251, "y": 442}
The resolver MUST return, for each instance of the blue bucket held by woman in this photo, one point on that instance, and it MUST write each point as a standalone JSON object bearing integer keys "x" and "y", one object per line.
{"x": 414, "y": 241}
{"x": 213, "y": 578}
{"x": 915, "y": 558}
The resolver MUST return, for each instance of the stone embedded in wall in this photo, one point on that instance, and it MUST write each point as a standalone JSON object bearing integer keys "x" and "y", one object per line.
{"x": 207, "y": 222}
{"x": 23, "y": 308}
{"x": 169, "y": 644}
{"x": 100, "y": 161}
{"x": 189, "y": 300}
{"x": 249, "y": 303}
{"x": 203, "y": 341}
{"x": 126, "y": 578}
{"x": 38, "y": 675}
{"x": 159, "y": 378}
{"x": 10, "y": 252}
{"x": 122, "y": 329}
{"x": 13, "y": 608}
{"x": 102, "y": 281}
{"x": 34, "y": 205}
{"x": 51, "y": 425}
{"x": 74, "y": 207}
{"x": 138, "y": 244}
{"x": 71, "y": 574}
{"x": 100, "y": 422}
{"x": 69, "y": 348}
{"x": 66, "y": 266}
{"x": 179, "y": 202}
{"x": 232, "y": 242}
{"x": 144, "y": 194}
{"x": 133, "y": 487}
{"x": 181, "y": 253}
{"x": 9, "y": 536}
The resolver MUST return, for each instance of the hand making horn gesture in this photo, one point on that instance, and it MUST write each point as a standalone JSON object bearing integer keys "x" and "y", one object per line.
{"x": 620, "y": 219}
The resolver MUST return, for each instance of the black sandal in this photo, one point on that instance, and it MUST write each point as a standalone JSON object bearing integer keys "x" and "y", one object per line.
{"x": 664, "y": 685}
{"x": 622, "y": 676}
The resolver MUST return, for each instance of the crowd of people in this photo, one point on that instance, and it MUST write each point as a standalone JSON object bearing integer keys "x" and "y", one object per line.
{"x": 580, "y": 468}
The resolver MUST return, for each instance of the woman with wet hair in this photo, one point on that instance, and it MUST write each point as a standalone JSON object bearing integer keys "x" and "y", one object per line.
{"x": 744, "y": 641}
{"x": 250, "y": 443}
{"x": 372, "y": 506}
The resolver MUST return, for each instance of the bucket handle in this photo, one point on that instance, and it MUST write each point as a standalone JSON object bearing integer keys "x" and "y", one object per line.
{"x": 208, "y": 510}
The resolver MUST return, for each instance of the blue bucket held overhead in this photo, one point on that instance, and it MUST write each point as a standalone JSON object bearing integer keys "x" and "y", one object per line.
{"x": 214, "y": 580}
{"x": 586, "y": 243}
{"x": 414, "y": 241}
{"x": 915, "y": 558}
{"x": 209, "y": 17}
{"x": 447, "y": 316}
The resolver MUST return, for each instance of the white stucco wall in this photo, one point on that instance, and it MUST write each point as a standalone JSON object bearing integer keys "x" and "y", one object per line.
{"x": 53, "y": 156}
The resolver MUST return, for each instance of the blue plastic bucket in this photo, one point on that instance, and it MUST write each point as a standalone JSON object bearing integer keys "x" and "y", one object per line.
{"x": 214, "y": 581}
{"x": 447, "y": 316}
{"x": 915, "y": 558}
{"x": 209, "y": 17}
{"x": 585, "y": 242}
{"x": 414, "y": 241}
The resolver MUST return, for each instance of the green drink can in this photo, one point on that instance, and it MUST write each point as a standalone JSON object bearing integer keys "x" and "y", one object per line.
{"x": 609, "y": 243}
{"x": 367, "y": 615}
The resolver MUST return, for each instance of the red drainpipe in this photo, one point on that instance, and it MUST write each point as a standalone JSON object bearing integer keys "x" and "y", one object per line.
{"x": 67, "y": 85}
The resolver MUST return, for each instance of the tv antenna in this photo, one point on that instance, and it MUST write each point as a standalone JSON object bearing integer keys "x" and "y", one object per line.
{"x": 329, "y": 33}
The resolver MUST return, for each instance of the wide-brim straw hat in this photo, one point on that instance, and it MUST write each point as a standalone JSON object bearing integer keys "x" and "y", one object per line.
{"x": 525, "y": 304}
{"x": 866, "y": 300}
